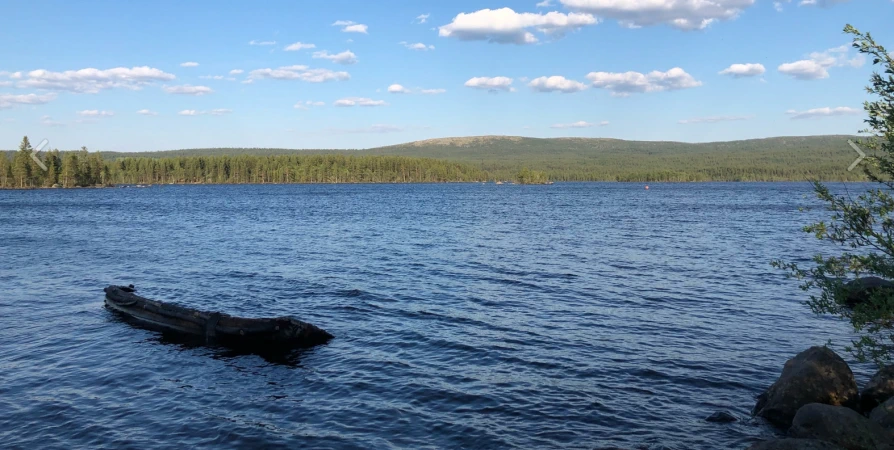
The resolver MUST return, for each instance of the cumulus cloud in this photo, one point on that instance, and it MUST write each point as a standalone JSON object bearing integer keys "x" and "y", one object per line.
{"x": 817, "y": 64}
{"x": 213, "y": 112}
{"x": 307, "y": 104}
{"x": 580, "y": 124}
{"x": 545, "y": 4}
{"x": 506, "y": 26}
{"x": 48, "y": 121}
{"x": 253, "y": 42}
{"x": 10, "y": 100}
{"x": 345, "y": 57}
{"x": 422, "y": 18}
{"x": 744, "y": 70}
{"x": 713, "y": 119}
{"x": 349, "y": 26}
{"x": 417, "y": 46}
{"x": 681, "y": 14}
{"x": 91, "y": 80}
{"x": 626, "y": 83}
{"x": 399, "y": 89}
{"x": 299, "y": 46}
{"x": 236, "y": 71}
{"x": 492, "y": 84}
{"x": 302, "y": 73}
{"x": 146, "y": 112}
{"x": 359, "y": 101}
{"x": 188, "y": 89}
{"x": 189, "y": 64}
{"x": 95, "y": 113}
{"x": 823, "y": 112}
{"x": 211, "y": 77}
{"x": 556, "y": 83}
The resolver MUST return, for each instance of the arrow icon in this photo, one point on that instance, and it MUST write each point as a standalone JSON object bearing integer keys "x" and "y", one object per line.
{"x": 859, "y": 158}
{"x": 40, "y": 147}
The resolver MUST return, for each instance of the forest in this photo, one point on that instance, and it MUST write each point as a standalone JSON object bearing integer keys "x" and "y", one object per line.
{"x": 82, "y": 169}
{"x": 483, "y": 158}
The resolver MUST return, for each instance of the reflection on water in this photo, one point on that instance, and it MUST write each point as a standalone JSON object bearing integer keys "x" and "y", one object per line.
{"x": 466, "y": 316}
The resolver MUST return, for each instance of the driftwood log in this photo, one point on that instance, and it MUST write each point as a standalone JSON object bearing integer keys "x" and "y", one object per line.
{"x": 213, "y": 327}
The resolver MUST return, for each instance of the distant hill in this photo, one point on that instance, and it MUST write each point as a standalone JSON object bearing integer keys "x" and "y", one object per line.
{"x": 582, "y": 159}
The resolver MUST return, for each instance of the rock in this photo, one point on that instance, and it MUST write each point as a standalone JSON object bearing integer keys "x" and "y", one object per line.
{"x": 816, "y": 375}
{"x": 879, "y": 389}
{"x": 794, "y": 444}
{"x": 859, "y": 290}
{"x": 838, "y": 425}
{"x": 884, "y": 415}
{"x": 721, "y": 417}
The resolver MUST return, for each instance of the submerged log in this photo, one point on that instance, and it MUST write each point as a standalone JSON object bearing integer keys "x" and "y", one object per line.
{"x": 213, "y": 327}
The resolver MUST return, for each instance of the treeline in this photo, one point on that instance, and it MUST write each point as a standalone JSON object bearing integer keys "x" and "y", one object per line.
{"x": 81, "y": 168}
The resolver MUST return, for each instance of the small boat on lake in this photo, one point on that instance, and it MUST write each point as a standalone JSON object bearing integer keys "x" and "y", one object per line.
{"x": 213, "y": 327}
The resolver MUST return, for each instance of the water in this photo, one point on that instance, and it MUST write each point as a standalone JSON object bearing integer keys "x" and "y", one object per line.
{"x": 466, "y": 316}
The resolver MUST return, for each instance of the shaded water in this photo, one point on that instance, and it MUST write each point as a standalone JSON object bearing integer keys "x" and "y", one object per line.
{"x": 474, "y": 316}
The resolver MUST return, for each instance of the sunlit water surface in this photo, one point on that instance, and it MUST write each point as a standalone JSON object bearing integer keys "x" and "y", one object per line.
{"x": 466, "y": 316}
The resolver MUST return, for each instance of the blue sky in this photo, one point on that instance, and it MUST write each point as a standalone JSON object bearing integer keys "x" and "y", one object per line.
{"x": 112, "y": 75}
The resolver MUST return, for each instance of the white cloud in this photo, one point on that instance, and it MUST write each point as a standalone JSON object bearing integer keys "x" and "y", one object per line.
{"x": 211, "y": 77}
{"x": 744, "y": 70}
{"x": 506, "y": 26}
{"x": 681, "y": 14}
{"x": 422, "y": 18}
{"x": 236, "y": 71}
{"x": 302, "y": 73}
{"x": 817, "y": 65}
{"x": 213, "y": 112}
{"x": 188, "y": 89}
{"x": 580, "y": 124}
{"x": 398, "y": 89}
{"x": 306, "y": 104}
{"x": 545, "y": 4}
{"x": 299, "y": 46}
{"x": 48, "y": 121}
{"x": 417, "y": 46}
{"x": 623, "y": 84}
{"x": 345, "y": 57}
{"x": 359, "y": 101}
{"x": 10, "y": 100}
{"x": 713, "y": 119}
{"x": 146, "y": 112}
{"x": 349, "y": 26}
{"x": 95, "y": 113}
{"x": 492, "y": 84}
{"x": 822, "y": 112}
{"x": 253, "y": 42}
{"x": 92, "y": 80}
{"x": 189, "y": 64}
{"x": 821, "y": 3}
{"x": 556, "y": 84}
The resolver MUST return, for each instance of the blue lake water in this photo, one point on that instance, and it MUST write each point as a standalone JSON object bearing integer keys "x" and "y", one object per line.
{"x": 466, "y": 316}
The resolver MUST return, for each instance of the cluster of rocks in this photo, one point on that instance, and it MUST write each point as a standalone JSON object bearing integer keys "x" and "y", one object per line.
{"x": 816, "y": 399}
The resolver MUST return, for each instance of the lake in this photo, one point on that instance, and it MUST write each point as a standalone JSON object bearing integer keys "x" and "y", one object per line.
{"x": 572, "y": 315}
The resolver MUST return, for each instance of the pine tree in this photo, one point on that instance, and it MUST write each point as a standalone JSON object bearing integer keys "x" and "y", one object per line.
{"x": 5, "y": 175}
{"x": 21, "y": 164}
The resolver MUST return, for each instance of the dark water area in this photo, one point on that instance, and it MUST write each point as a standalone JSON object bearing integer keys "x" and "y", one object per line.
{"x": 466, "y": 316}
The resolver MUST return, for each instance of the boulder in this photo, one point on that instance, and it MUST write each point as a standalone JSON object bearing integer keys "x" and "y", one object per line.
{"x": 859, "y": 290}
{"x": 884, "y": 415}
{"x": 721, "y": 417}
{"x": 879, "y": 389}
{"x": 841, "y": 426}
{"x": 816, "y": 375}
{"x": 794, "y": 444}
